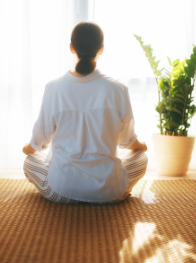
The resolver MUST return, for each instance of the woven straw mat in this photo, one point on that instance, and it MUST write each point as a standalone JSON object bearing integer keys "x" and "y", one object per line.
{"x": 156, "y": 224}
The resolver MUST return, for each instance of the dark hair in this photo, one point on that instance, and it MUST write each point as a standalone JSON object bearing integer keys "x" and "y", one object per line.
{"x": 87, "y": 39}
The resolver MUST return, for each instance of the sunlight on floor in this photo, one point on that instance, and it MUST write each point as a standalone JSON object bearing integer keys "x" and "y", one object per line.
{"x": 136, "y": 240}
{"x": 147, "y": 198}
{"x": 145, "y": 238}
{"x": 174, "y": 254}
{"x": 141, "y": 234}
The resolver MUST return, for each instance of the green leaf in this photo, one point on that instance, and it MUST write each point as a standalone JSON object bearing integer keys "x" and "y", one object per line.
{"x": 179, "y": 96}
{"x": 152, "y": 63}
{"x": 161, "y": 84}
{"x": 190, "y": 116}
{"x": 177, "y": 100}
{"x": 184, "y": 62}
{"x": 150, "y": 58}
{"x": 168, "y": 73}
{"x": 178, "y": 66}
{"x": 165, "y": 115}
{"x": 182, "y": 108}
{"x": 137, "y": 37}
{"x": 189, "y": 71}
{"x": 160, "y": 107}
{"x": 189, "y": 101}
{"x": 186, "y": 87}
{"x": 166, "y": 127}
{"x": 172, "y": 124}
{"x": 193, "y": 58}
{"x": 155, "y": 65}
{"x": 193, "y": 108}
{"x": 149, "y": 54}
{"x": 175, "y": 63}
{"x": 190, "y": 89}
{"x": 191, "y": 64}
{"x": 181, "y": 91}
{"x": 169, "y": 61}
{"x": 188, "y": 80}
{"x": 178, "y": 81}
{"x": 176, "y": 72}
{"x": 157, "y": 72}
{"x": 173, "y": 109}
{"x": 194, "y": 50}
{"x": 147, "y": 48}
{"x": 175, "y": 117}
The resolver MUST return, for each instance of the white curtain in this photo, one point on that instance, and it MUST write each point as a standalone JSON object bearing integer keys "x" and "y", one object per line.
{"x": 34, "y": 49}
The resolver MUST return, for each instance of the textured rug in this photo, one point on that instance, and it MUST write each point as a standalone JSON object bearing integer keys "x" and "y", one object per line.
{"x": 156, "y": 224}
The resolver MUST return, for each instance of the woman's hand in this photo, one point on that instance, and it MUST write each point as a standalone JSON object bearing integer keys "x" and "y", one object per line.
{"x": 144, "y": 147}
{"x": 137, "y": 145}
{"x": 28, "y": 149}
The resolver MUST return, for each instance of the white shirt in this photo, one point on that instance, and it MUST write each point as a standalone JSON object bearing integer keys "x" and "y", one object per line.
{"x": 83, "y": 120}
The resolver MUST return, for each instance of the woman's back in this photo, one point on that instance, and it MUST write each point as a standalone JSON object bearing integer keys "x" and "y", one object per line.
{"x": 85, "y": 115}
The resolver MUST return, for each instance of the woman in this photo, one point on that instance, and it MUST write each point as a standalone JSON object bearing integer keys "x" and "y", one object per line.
{"x": 84, "y": 116}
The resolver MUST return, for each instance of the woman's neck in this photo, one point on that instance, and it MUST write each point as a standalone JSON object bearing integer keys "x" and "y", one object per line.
{"x": 76, "y": 74}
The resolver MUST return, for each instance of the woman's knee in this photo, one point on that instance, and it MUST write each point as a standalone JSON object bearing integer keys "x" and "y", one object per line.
{"x": 143, "y": 160}
{"x": 27, "y": 167}
{"x": 144, "y": 157}
{"x": 25, "y": 163}
{"x": 137, "y": 162}
{"x": 26, "y": 170}
{"x": 136, "y": 154}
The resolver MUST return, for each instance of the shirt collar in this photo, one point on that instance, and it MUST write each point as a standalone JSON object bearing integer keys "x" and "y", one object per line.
{"x": 96, "y": 73}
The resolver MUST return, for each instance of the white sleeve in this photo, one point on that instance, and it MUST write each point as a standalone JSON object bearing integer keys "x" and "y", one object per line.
{"x": 127, "y": 134}
{"x": 44, "y": 127}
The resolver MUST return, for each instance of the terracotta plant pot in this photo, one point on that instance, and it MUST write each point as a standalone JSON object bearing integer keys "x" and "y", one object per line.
{"x": 173, "y": 154}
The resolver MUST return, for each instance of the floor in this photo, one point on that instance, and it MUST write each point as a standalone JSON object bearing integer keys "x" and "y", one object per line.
{"x": 150, "y": 175}
{"x": 153, "y": 175}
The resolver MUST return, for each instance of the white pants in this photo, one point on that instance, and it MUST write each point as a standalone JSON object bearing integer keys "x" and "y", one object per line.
{"x": 37, "y": 173}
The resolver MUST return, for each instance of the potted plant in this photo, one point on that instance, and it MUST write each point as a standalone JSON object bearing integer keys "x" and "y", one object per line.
{"x": 173, "y": 146}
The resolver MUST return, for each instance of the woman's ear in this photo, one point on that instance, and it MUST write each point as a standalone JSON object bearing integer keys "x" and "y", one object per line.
{"x": 72, "y": 49}
{"x": 101, "y": 50}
